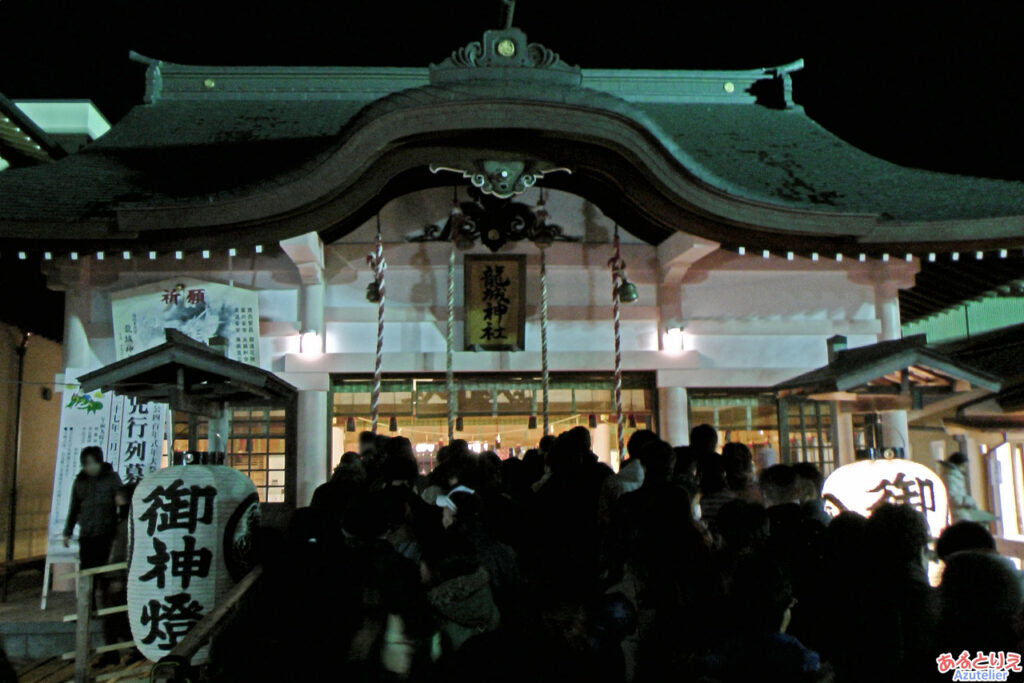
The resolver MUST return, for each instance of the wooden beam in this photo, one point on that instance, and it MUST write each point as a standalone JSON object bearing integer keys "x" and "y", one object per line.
{"x": 834, "y": 396}
{"x": 124, "y": 645}
{"x": 879, "y": 390}
{"x": 950, "y": 402}
{"x": 106, "y": 611}
{"x": 189, "y": 404}
{"x": 179, "y": 400}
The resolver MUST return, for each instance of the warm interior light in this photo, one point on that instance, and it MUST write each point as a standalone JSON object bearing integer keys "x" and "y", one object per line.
{"x": 673, "y": 339}
{"x": 310, "y": 344}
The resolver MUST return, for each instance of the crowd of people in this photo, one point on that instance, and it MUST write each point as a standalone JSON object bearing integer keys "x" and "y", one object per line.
{"x": 688, "y": 564}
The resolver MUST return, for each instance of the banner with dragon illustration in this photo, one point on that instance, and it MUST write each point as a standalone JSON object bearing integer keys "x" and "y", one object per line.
{"x": 201, "y": 310}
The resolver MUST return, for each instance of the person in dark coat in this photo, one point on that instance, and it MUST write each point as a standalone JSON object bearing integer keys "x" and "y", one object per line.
{"x": 757, "y": 647}
{"x": 93, "y": 508}
{"x": 901, "y": 606}
{"x": 333, "y": 499}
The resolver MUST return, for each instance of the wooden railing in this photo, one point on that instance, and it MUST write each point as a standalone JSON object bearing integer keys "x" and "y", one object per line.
{"x": 175, "y": 665}
{"x": 84, "y": 615}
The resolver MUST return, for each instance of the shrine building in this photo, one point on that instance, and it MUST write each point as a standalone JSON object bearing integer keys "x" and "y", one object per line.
{"x": 304, "y": 215}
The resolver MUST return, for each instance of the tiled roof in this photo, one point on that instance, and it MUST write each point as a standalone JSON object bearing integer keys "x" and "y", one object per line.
{"x": 207, "y": 134}
{"x": 234, "y": 146}
{"x": 991, "y": 360}
{"x": 784, "y": 157}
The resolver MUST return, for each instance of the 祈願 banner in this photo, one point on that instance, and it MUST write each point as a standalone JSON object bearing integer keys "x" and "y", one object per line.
{"x": 198, "y": 309}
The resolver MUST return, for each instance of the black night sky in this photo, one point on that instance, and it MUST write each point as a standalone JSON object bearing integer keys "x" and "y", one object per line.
{"x": 935, "y": 86}
{"x": 929, "y": 85}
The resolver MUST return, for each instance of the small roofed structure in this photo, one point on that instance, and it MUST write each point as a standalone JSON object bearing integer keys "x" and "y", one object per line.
{"x": 199, "y": 380}
{"x": 973, "y": 384}
{"x": 901, "y": 374}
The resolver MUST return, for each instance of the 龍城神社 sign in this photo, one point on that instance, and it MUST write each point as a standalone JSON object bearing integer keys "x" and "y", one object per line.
{"x": 495, "y": 305}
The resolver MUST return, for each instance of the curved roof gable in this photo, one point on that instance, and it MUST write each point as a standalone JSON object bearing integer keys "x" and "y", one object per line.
{"x": 260, "y": 153}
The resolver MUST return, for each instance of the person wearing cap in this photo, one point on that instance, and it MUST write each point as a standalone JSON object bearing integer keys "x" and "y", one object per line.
{"x": 961, "y": 504}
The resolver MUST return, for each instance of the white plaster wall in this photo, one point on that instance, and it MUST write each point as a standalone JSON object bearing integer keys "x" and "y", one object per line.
{"x": 749, "y": 322}
{"x": 769, "y": 317}
{"x": 776, "y": 294}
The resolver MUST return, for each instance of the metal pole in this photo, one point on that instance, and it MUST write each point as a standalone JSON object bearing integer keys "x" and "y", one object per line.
{"x": 12, "y": 504}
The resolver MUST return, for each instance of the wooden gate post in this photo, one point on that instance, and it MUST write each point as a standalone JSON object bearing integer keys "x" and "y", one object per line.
{"x": 82, "y": 636}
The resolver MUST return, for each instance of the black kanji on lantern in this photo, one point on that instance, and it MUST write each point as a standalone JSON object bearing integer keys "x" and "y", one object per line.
{"x": 168, "y": 621}
{"x": 902, "y": 490}
{"x": 190, "y": 562}
{"x": 184, "y": 563}
{"x": 158, "y": 564}
{"x": 178, "y": 507}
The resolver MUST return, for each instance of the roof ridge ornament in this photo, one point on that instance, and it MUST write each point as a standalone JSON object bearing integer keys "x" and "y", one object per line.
{"x": 502, "y": 178}
{"x": 783, "y": 75}
{"x": 502, "y": 54}
{"x": 508, "y": 10}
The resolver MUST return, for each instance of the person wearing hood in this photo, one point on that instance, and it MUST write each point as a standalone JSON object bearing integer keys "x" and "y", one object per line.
{"x": 93, "y": 508}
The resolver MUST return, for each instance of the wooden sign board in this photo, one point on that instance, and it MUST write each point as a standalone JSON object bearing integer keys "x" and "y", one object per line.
{"x": 495, "y": 303}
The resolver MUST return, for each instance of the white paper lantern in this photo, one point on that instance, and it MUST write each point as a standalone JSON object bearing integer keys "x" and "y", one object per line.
{"x": 865, "y": 484}
{"x": 192, "y": 532}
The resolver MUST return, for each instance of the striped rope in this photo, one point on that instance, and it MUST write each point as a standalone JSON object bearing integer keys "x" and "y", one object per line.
{"x": 618, "y": 266}
{"x": 544, "y": 336}
{"x": 449, "y": 380}
{"x": 379, "y": 266}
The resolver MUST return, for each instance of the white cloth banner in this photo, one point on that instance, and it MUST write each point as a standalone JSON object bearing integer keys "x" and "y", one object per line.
{"x": 198, "y": 309}
{"x": 131, "y": 435}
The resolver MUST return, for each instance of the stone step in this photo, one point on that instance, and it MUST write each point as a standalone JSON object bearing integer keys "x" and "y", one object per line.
{"x": 42, "y": 639}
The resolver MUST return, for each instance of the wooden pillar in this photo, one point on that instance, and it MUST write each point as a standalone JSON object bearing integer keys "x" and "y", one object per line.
{"x": 82, "y": 638}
